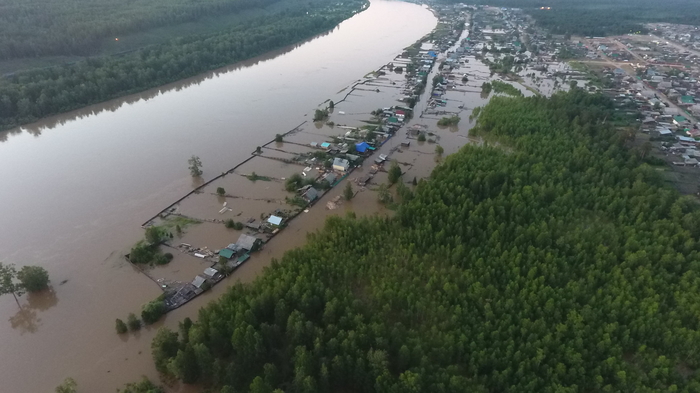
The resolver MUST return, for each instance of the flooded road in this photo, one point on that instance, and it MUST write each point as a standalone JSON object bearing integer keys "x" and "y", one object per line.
{"x": 75, "y": 189}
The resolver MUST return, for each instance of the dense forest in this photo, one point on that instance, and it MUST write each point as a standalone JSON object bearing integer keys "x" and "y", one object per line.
{"x": 550, "y": 259}
{"x": 33, "y": 94}
{"x": 603, "y": 17}
{"x": 31, "y": 28}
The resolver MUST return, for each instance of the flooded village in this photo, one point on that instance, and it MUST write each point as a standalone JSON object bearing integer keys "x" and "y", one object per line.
{"x": 410, "y": 113}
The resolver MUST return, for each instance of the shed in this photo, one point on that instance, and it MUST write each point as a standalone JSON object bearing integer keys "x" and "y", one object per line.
{"x": 330, "y": 178}
{"x": 275, "y": 220}
{"x": 198, "y": 281}
{"x": 311, "y": 194}
{"x": 247, "y": 242}
{"x": 340, "y": 164}
{"x": 210, "y": 272}
{"x": 325, "y": 145}
{"x": 226, "y": 253}
{"x": 687, "y": 100}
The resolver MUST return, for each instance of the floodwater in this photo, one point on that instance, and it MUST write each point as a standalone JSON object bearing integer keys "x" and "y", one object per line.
{"x": 76, "y": 187}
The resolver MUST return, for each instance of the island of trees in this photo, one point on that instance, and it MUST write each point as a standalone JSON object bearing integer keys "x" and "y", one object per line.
{"x": 554, "y": 260}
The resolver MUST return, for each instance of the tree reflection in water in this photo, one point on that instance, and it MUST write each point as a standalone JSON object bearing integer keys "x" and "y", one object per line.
{"x": 26, "y": 320}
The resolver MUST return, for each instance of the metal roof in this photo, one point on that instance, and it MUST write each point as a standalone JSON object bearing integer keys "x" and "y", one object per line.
{"x": 246, "y": 242}
{"x": 275, "y": 220}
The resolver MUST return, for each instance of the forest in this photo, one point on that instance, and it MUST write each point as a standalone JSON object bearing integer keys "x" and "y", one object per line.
{"x": 33, "y": 94}
{"x": 32, "y": 28}
{"x": 603, "y": 17}
{"x": 548, "y": 259}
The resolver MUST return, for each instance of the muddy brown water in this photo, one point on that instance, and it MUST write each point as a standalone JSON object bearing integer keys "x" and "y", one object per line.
{"x": 76, "y": 187}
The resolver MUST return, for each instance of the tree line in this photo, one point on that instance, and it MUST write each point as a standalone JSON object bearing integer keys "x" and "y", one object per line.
{"x": 549, "y": 259}
{"x": 30, "y": 95}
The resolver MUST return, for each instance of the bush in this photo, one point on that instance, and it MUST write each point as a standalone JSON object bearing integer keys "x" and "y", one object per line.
{"x": 152, "y": 311}
{"x": 141, "y": 254}
{"x": 394, "y": 172}
{"x": 121, "y": 327}
{"x": 293, "y": 182}
{"x": 155, "y": 234}
{"x": 33, "y": 278}
{"x": 161, "y": 259}
{"x": 421, "y": 137}
{"x": 133, "y": 322}
{"x": 320, "y": 114}
{"x": 68, "y": 386}
{"x": 449, "y": 121}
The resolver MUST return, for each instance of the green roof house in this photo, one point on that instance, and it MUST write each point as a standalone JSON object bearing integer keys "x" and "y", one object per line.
{"x": 678, "y": 119}
{"x": 687, "y": 100}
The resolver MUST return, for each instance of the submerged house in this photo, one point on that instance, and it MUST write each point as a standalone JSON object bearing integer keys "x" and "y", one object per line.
{"x": 341, "y": 164}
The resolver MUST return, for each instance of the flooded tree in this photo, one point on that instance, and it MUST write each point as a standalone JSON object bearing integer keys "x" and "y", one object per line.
{"x": 394, "y": 172}
{"x": 278, "y": 137}
{"x": 68, "y": 386}
{"x": 33, "y": 278}
{"x": 195, "y": 166}
{"x": 348, "y": 192}
{"x": 8, "y": 283}
{"x": 133, "y": 322}
{"x": 439, "y": 150}
{"x": 120, "y": 326}
{"x": 384, "y": 195}
{"x": 220, "y": 191}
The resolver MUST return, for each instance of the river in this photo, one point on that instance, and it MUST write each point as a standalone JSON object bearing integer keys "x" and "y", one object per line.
{"x": 76, "y": 187}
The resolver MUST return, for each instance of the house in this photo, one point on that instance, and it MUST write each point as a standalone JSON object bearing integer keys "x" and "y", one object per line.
{"x": 678, "y": 119}
{"x": 686, "y": 100}
{"x": 275, "y": 220}
{"x": 664, "y": 131}
{"x": 310, "y": 195}
{"x": 619, "y": 72}
{"x": 341, "y": 164}
{"x": 248, "y": 243}
{"x": 226, "y": 253}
